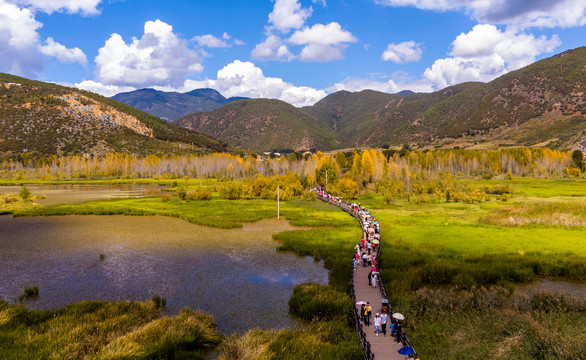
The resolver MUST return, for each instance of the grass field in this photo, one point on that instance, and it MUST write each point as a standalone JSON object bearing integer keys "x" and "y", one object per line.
{"x": 449, "y": 267}
{"x": 104, "y": 330}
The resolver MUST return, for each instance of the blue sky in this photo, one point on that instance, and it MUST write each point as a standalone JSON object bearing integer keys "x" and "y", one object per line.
{"x": 294, "y": 50}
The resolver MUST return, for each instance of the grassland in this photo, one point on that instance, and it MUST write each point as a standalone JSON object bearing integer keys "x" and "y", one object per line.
{"x": 104, "y": 330}
{"x": 449, "y": 267}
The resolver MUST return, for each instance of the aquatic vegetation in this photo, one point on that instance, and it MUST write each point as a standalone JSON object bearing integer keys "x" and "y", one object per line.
{"x": 104, "y": 330}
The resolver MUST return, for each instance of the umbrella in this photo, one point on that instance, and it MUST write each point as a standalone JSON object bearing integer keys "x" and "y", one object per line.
{"x": 406, "y": 351}
{"x": 399, "y": 316}
{"x": 375, "y": 241}
{"x": 361, "y": 303}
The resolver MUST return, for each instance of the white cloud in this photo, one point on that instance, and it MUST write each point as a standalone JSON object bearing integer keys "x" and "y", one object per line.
{"x": 84, "y": 7}
{"x": 210, "y": 41}
{"x": 158, "y": 58}
{"x": 99, "y": 88}
{"x": 329, "y": 34}
{"x": 18, "y": 40}
{"x": 273, "y": 48}
{"x": 521, "y": 13}
{"x": 485, "y": 53}
{"x": 397, "y": 83}
{"x": 323, "y": 42}
{"x": 288, "y": 15}
{"x": 20, "y": 45}
{"x": 245, "y": 79}
{"x": 408, "y": 51}
{"x": 322, "y": 53}
{"x": 63, "y": 54}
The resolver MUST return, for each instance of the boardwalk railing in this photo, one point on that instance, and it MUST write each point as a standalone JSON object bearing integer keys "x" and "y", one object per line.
{"x": 369, "y": 355}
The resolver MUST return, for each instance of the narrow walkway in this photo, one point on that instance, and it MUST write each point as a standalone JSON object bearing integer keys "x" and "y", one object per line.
{"x": 379, "y": 347}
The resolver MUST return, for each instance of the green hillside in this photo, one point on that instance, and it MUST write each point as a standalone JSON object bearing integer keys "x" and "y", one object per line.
{"x": 43, "y": 119}
{"x": 262, "y": 124}
{"x": 542, "y": 104}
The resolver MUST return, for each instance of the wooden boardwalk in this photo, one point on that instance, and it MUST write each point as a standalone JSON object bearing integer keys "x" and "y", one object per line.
{"x": 375, "y": 347}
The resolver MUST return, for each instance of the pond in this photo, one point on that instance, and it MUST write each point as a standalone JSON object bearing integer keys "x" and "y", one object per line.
{"x": 237, "y": 275}
{"x": 75, "y": 193}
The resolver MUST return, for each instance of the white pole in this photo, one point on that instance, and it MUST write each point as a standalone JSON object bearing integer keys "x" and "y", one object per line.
{"x": 278, "y": 205}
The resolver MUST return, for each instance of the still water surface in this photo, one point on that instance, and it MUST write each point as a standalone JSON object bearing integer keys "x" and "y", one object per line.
{"x": 72, "y": 193}
{"x": 237, "y": 275}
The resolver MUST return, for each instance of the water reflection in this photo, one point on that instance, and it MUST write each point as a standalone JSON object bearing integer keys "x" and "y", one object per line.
{"x": 237, "y": 275}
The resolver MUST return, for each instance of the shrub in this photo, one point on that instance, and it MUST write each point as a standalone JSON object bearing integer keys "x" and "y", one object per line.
{"x": 201, "y": 194}
{"x": 30, "y": 292}
{"x": 25, "y": 193}
{"x": 159, "y": 301}
{"x": 309, "y": 195}
{"x": 230, "y": 191}
{"x": 320, "y": 302}
{"x": 181, "y": 192}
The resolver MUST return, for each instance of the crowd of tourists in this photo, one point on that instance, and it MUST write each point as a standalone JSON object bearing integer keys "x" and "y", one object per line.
{"x": 366, "y": 255}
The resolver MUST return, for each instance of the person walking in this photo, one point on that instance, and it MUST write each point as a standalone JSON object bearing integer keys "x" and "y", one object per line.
{"x": 373, "y": 279}
{"x": 377, "y": 324}
{"x": 383, "y": 323}
{"x": 368, "y": 312}
{"x": 355, "y": 261}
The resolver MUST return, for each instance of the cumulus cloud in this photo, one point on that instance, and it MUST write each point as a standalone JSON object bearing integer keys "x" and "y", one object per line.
{"x": 320, "y": 43}
{"x": 329, "y": 34}
{"x": 99, "y": 88}
{"x": 408, "y": 51}
{"x": 521, "y": 13}
{"x": 84, "y": 7}
{"x": 63, "y": 54}
{"x": 485, "y": 53}
{"x": 159, "y": 57}
{"x": 18, "y": 40}
{"x": 322, "y": 53}
{"x": 245, "y": 79}
{"x": 20, "y": 45}
{"x": 323, "y": 42}
{"x": 288, "y": 15}
{"x": 273, "y": 48}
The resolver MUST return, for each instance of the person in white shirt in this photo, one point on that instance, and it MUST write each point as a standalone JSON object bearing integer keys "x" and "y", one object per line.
{"x": 377, "y": 324}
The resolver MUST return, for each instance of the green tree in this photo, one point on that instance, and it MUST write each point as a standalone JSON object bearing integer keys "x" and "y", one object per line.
{"x": 578, "y": 159}
{"x": 25, "y": 193}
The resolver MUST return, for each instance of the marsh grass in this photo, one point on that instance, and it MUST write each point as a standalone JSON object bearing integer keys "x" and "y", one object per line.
{"x": 322, "y": 303}
{"x": 567, "y": 214}
{"x": 103, "y": 330}
{"x": 492, "y": 323}
{"x": 30, "y": 292}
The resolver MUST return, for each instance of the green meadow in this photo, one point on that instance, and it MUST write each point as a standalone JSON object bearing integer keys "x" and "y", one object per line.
{"x": 450, "y": 267}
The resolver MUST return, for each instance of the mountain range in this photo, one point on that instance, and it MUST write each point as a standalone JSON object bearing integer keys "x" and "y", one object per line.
{"x": 45, "y": 119}
{"x": 172, "y": 105}
{"x": 542, "y": 104}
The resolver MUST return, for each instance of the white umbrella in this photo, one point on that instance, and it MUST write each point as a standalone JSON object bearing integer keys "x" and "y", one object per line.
{"x": 398, "y": 316}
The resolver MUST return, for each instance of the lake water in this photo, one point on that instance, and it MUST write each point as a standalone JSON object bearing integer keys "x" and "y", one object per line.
{"x": 71, "y": 193}
{"x": 237, "y": 275}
